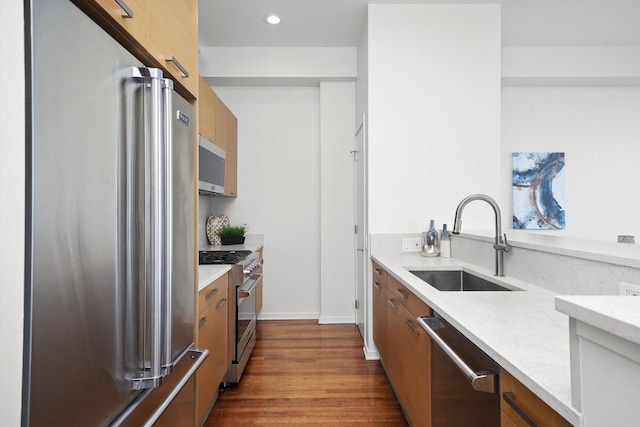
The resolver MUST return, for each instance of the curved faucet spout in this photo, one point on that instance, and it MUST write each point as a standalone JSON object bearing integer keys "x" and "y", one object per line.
{"x": 500, "y": 245}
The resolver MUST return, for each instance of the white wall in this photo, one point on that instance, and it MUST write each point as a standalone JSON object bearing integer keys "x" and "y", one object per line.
{"x": 337, "y": 127}
{"x": 279, "y": 191}
{"x": 599, "y": 130}
{"x": 12, "y": 187}
{"x": 434, "y": 113}
{"x": 236, "y": 64}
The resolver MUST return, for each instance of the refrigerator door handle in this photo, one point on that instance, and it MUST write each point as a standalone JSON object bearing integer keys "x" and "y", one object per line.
{"x": 167, "y": 96}
{"x": 153, "y": 265}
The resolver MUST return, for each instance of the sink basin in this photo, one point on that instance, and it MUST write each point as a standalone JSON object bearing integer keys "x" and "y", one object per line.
{"x": 449, "y": 280}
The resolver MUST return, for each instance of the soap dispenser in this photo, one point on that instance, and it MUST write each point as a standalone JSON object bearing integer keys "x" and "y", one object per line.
{"x": 430, "y": 242}
{"x": 445, "y": 243}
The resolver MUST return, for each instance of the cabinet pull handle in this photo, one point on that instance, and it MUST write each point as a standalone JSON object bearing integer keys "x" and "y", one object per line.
{"x": 202, "y": 322}
{"x": 173, "y": 59}
{"x": 376, "y": 285}
{"x": 401, "y": 293}
{"x": 510, "y": 398}
{"x": 223, "y": 302}
{"x": 212, "y": 294}
{"x": 378, "y": 271}
{"x": 391, "y": 303}
{"x": 126, "y": 10}
{"x": 415, "y": 330}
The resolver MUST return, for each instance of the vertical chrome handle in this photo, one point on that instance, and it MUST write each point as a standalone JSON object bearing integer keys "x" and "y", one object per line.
{"x": 221, "y": 303}
{"x": 167, "y": 208}
{"x": 156, "y": 232}
{"x": 152, "y": 244}
{"x": 177, "y": 63}
{"x": 391, "y": 303}
{"x": 376, "y": 285}
{"x": 126, "y": 10}
{"x": 402, "y": 293}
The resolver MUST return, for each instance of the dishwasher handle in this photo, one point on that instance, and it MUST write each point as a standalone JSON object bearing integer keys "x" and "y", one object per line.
{"x": 484, "y": 381}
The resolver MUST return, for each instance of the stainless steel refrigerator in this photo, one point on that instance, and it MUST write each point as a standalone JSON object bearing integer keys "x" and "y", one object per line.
{"x": 110, "y": 292}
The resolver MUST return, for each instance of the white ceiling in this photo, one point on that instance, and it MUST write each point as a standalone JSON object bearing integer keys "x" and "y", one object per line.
{"x": 331, "y": 23}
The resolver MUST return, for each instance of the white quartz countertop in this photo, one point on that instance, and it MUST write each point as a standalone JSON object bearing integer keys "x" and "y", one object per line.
{"x": 618, "y": 315}
{"x": 521, "y": 330}
{"x": 209, "y": 273}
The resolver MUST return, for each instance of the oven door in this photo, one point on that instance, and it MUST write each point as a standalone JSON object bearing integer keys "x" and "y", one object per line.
{"x": 246, "y": 317}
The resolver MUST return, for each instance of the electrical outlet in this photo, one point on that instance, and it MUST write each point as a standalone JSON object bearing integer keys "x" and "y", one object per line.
{"x": 629, "y": 290}
{"x": 411, "y": 244}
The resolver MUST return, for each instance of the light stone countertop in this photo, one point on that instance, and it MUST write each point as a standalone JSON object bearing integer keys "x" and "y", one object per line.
{"x": 522, "y": 331}
{"x": 209, "y": 273}
{"x": 618, "y": 315}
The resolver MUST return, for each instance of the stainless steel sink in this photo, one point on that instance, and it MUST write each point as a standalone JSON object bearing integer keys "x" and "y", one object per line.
{"x": 449, "y": 280}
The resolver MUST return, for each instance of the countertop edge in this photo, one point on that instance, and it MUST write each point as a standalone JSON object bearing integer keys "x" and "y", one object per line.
{"x": 617, "y": 315}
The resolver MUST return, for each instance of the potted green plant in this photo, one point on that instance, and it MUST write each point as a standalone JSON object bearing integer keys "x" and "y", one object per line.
{"x": 232, "y": 234}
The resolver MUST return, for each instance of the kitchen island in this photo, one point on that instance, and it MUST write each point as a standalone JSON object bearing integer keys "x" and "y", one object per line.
{"x": 520, "y": 330}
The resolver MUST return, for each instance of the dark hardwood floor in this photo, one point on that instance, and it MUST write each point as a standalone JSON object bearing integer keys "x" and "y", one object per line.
{"x": 305, "y": 374}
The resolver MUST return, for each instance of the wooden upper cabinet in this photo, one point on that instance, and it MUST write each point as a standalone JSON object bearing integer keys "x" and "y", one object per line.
{"x": 207, "y": 110}
{"x": 173, "y": 39}
{"x": 129, "y": 15}
{"x": 231, "y": 170}
{"x": 221, "y": 124}
{"x": 160, "y": 33}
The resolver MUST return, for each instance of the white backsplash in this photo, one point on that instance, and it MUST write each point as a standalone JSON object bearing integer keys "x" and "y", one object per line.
{"x": 563, "y": 274}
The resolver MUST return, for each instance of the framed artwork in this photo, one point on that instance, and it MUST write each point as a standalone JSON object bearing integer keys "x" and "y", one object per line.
{"x": 538, "y": 191}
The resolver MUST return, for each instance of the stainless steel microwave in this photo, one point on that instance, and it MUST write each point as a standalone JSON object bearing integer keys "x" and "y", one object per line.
{"x": 211, "y": 163}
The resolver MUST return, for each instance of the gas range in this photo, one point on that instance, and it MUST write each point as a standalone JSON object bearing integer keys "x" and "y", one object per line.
{"x": 222, "y": 257}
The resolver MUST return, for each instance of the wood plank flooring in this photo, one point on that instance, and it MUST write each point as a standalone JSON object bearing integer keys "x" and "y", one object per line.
{"x": 305, "y": 374}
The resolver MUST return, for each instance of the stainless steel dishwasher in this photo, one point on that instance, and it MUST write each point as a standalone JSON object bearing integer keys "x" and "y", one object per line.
{"x": 464, "y": 380}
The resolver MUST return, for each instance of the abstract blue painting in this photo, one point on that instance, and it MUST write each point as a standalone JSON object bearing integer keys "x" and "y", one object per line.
{"x": 538, "y": 191}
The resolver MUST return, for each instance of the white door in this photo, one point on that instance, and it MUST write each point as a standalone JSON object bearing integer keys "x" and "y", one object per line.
{"x": 360, "y": 191}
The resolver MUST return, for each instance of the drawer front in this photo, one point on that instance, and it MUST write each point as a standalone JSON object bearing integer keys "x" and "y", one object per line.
{"x": 379, "y": 275}
{"x": 212, "y": 292}
{"x": 408, "y": 298}
{"x": 522, "y": 407}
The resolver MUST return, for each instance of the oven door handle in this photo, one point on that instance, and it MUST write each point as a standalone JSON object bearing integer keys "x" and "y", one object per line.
{"x": 485, "y": 381}
{"x": 245, "y": 293}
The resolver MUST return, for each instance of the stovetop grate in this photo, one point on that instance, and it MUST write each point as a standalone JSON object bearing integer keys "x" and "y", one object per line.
{"x": 221, "y": 257}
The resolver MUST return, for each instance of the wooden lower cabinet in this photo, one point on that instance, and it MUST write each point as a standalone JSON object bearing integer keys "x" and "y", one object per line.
{"x": 380, "y": 318}
{"x": 404, "y": 347}
{"x": 522, "y": 408}
{"x": 213, "y": 333}
{"x": 417, "y": 370}
{"x": 393, "y": 363}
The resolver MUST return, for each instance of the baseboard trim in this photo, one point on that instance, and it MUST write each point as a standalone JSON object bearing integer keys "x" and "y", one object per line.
{"x": 371, "y": 353}
{"x": 330, "y": 320}
{"x": 288, "y": 316}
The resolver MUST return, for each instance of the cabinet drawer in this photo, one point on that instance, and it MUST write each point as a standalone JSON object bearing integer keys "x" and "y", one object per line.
{"x": 211, "y": 293}
{"x": 379, "y": 275}
{"x": 521, "y": 406}
{"x": 408, "y": 298}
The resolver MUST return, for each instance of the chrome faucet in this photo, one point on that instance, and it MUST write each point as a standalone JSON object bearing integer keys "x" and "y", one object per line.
{"x": 500, "y": 245}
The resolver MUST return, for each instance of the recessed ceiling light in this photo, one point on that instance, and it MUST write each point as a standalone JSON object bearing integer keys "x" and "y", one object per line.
{"x": 272, "y": 19}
